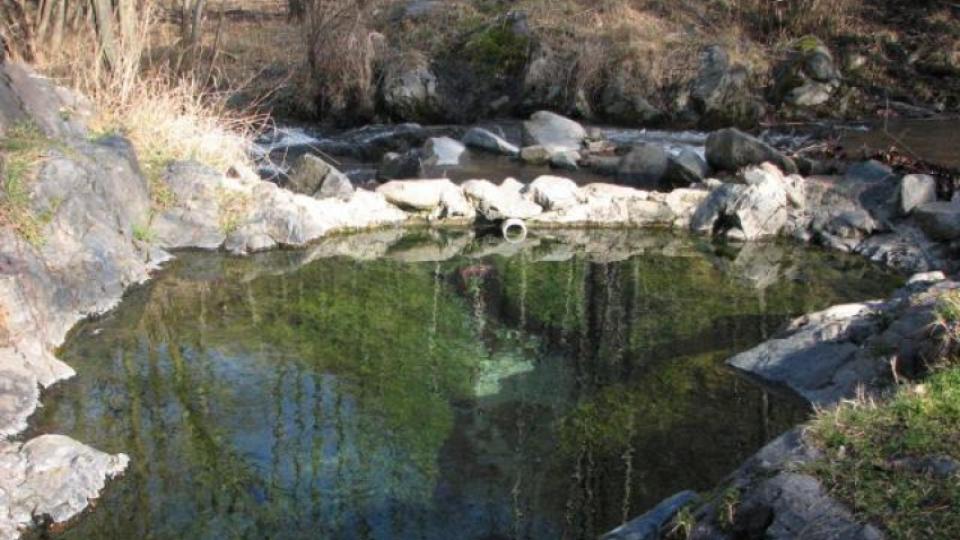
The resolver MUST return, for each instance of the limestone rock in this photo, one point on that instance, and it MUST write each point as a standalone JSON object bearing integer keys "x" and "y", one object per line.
{"x": 553, "y": 192}
{"x": 650, "y": 525}
{"x": 553, "y": 131}
{"x": 500, "y": 202}
{"x": 916, "y": 190}
{"x": 192, "y": 219}
{"x": 443, "y": 151}
{"x": 439, "y": 199}
{"x": 759, "y": 209}
{"x": 484, "y": 139}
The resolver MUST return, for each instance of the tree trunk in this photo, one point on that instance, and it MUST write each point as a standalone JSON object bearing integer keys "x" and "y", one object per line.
{"x": 59, "y": 21}
{"x": 198, "y": 7}
{"x": 103, "y": 17}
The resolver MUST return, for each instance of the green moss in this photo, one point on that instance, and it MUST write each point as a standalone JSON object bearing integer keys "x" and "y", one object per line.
{"x": 865, "y": 441}
{"x": 497, "y": 50}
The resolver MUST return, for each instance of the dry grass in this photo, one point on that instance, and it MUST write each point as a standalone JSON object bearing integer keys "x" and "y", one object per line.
{"x": 167, "y": 115}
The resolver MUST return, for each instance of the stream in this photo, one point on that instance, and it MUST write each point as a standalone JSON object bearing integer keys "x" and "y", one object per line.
{"x": 434, "y": 386}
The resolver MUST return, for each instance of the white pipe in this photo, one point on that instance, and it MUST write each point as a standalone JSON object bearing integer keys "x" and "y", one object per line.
{"x": 510, "y": 226}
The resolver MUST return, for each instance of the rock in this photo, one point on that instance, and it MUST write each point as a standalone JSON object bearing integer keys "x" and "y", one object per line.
{"x": 649, "y": 525}
{"x": 807, "y": 77}
{"x": 192, "y": 219}
{"x": 27, "y": 97}
{"x": 501, "y": 202}
{"x": 720, "y": 94}
{"x": 644, "y": 167}
{"x": 916, "y": 190}
{"x": 535, "y": 155}
{"x": 758, "y": 209}
{"x": 939, "y": 220}
{"x": 731, "y": 149}
{"x": 53, "y": 476}
{"x": 553, "y": 131}
{"x": 869, "y": 172}
{"x": 396, "y": 166}
{"x": 440, "y": 199}
{"x": 313, "y": 176}
{"x": 443, "y": 151}
{"x": 939, "y": 467}
{"x": 818, "y": 356}
{"x": 623, "y": 103}
{"x": 410, "y": 90}
{"x": 484, "y": 139}
{"x": 685, "y": 168}
{"x": 566, "y": 161}
{"x": 602, "y": 165}
{"x": 553, "y": 193}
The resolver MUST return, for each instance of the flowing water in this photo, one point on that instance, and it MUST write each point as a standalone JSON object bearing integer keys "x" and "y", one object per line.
{"x": 931, "y": 140}
{"x": 434, "y": 386}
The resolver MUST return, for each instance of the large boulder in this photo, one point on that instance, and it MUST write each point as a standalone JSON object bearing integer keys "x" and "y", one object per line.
{"x": 644, "y": 167}
{"x": 485, "y": 139}
{"x": 553, "y": 131}
{"x": 536, "y": 155}
{"x": 808, "y": 76}
{"x": 396, "y": 166}
{"x": 26, "y": 97}
{"x": 720, "y": 94}
{"x": 759, "y": 208}
{"x": 939, "y": 220}
{"x": 442, "y": 151}
{"x": 313, "y": 176}
{"x": 731, "y": 149}
{"x": 410, "y": 90}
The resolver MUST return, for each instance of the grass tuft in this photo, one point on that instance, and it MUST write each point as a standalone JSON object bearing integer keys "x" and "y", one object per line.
{"x": 22, "y": 149}
{"x": 869, "y": 447}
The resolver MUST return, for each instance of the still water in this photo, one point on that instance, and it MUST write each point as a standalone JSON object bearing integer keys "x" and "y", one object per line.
{"x": 434, "y": 387}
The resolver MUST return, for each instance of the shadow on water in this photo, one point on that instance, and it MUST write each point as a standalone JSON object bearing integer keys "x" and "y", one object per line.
{"x": 380, "y": 386}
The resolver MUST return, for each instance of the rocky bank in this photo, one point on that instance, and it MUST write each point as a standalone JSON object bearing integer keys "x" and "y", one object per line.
{"x": 102, "y": 234}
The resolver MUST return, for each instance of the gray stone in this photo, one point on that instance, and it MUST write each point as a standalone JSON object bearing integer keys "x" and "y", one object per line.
{"x": 396, "y": 166}
{"x": 939, "y": 220}
{"x": 720, "y": 93}
{"x": 484, "y": 139}
{"x": 536, "y": 155}
{"x": 758, "y": 209}
{"x": 622, "y": 102}
{"x": 807, "y": 77}
{"x": 311, "y": 175}
{"x": 870, "y": 172}
{"x": 565, "y": 161}
{"x": 916, "y": 190}
{"x": 644, "y": 167}
{"x": 650, "y": 525}
{"x": 685, "y": 168}
{"x": 553, "y": 131}
{"x": 731, "y": 149}
{"x": 193, "y": 217}
{"x": 410, "y": 90}
{"x": 602, "y": 165}
{"x": 443, "y": 151}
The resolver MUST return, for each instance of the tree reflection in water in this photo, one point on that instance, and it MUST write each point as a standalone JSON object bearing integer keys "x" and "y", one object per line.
{"x": 553, "y": 393}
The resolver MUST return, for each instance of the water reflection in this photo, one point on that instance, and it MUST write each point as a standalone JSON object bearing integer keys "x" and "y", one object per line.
{"x": 548, "y": 394}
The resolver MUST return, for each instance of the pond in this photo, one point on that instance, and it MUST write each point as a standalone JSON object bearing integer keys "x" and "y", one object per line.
{"x": 434, "y": 386}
